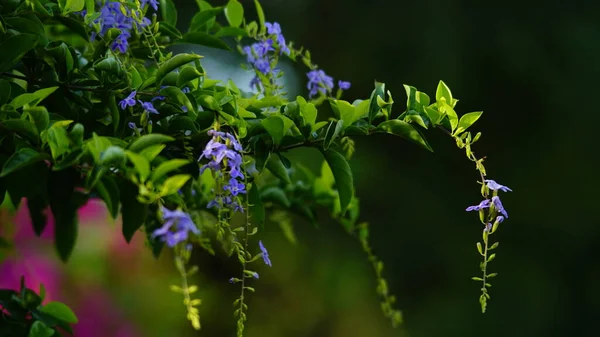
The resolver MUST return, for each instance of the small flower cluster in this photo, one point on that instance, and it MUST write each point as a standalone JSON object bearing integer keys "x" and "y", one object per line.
{"x": 224, "y": 152}
{"x": 494, "y": 186}
{"x": 265, "y": 256}
{"x": 176, "y": 228}
{"x": 318, "y": 81}
{"x": 258, "y": 56}
{"x": 131, "y": 101}
{"x": 115, "y": 15}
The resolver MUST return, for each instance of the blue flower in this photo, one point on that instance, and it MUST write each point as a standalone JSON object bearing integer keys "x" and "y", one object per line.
{"x": 343, "y": 85}
{"x": 265, "y": 253}
{"x": 494, "y": 186}
{"x": 178, "y": 221}
{"x": 148, "y": 107}
{"x": 128, "y": 101}
{"x": 318, "y": 81}
{"x": 235, "y": 187}
{"x": 499, "y": 206}
{"x": 255, "y": 275}
{"x": 275, "y": 29}
{"x": 153, "y": 3}
{"x": 484, "y": 204}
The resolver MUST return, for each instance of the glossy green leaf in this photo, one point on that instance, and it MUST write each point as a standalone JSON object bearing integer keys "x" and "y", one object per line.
{"x": 69, "y": 6}
{"x": 466, "y": 121}
{"x": 36, "y": 205}
{"x": 60, "y": 311}
{"x": 69, "y": 160}
{"x": 444, "y": 92}
{"x": 275, "y": 165}
{"x": 333, "y": 131}
{"x": 21, "y": 127}
{"x": 148, "y": 140}
{"x": 374, "y": 108}
{"x": 405, "y": 130}
{"x": 58, "y": 140}
{"x": 234, "y": 12}
{"x": 133, "y": 212}
{"x": 450, "y": 113}
{"x": 261, "y": 16}
{"x": 342, "y": 173}
{"x": 166, "y": 29}
{"x": 275, "y": 126}
{"x": 177, "y": 96}
{"x": 168, "y": 11}
{"x": 275, "y": 195}
{"x": 152, "y": 151}
{"x": 231, "y": 31}
{"x": 32, "y": 98}
{"x": 109, "y": 192}
{"x": 174, "y": 63}
{"x": 24, "y": 157}
{"x": 174, "y": 184}
{"x": 141, "y": 164}
{"x": 188, "y": 74}
{"x": 204, "y": 19}
{"x": 14, "y": 48}
{"x": 39, "y": 329}
{"x": 40, "y": 117}
{"x": 345, "y": 111}
{"x": 167, "y": 167}
{"x": 204, "y": 39}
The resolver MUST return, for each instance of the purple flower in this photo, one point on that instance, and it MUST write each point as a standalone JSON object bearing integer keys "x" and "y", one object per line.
{"x": 343, "y": 85}
{"x": 128, "y": 101}
{"x": 235, "y": 187}
{"x": 185, "y": 90}
{"x": 275, "y": 29}
{"x": 255, "y": 275}
{"x": 232, "y": 280}
{"x": 132, "y": 125}
{"x": 148, "y": 107}
{"x": 153, "y": 3}
{"x": 494, "y": 186}
{"x": 499, "y": 207}
{"x": 484, "y": 204}
{"x": 178, "y": 221}
{"x": 265, "y": 253}
{"x": 318, "y": 81}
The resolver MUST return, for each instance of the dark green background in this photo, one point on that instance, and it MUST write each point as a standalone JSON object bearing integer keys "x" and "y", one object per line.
{"x": 532, "y": 67}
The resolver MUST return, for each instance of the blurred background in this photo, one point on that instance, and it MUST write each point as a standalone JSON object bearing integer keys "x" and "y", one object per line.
{"x": 530, "y": 66}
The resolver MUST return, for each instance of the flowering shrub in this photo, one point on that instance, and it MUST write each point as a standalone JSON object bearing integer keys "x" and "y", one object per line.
{"x": 93, "y": 104}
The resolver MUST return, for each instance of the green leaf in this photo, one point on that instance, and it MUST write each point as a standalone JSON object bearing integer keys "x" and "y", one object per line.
{"x": 174, "y": 184}
{"x": 333, "y": 130}
{"x": 450, "y": 113}
{"x": 405, "y": 130}
{"x": 39, "y": 329}
{"x": 152, "y": 151}
{"x": 204, "y": 19}
{"x": 69, "y": 6}
{"x": 109, "y": 192}
{"x": 168, "y": 12}
{"x": 188, "y": 74}
{"x": 148, "y": 140}
{"x": 166, "y": 167}
{"x": 204, "y": 39}
{"x": 71, "y": 159}
{"x": 167, "y": 29}
{"x": 345, "y": 111}
{"x": 275, "y": 165}
{"x": 231, "y": 31}
{"x": 234, "y": 12}
{"x": 466, "y": 121}
{"x": 176, "y": 95}
{"x": 32, "y": 98}
{"x": 24, "y": 157}
{"x": 257, "y": 209}
{"x": 276, "y": 195}
{"x": 13, "y": 49}
{"x": 342, "y": 173}
{"x": 174, "y": 63}
{"x": 141, "y": 164}
{"x": 275, "y": 126}
{"x": 22, "y": 127}
{"x": 60, "y": 311}
{"x": 444, "y": 92}
{"x": 133, "y": 212}
{"x": 374, "y": 108}
{"x": 63, "y": 203}
{"x": 261, "y": 16}
{"x": 113, "y": 155}
{"x": 307, "y": 110}
{"x": 97, "y": 145}
{"x": 40, "y": 117}
{"x": 58, "y": 140}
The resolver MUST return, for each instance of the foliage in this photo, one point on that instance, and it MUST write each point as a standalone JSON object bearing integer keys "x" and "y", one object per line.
{"x": 93, "y": 104}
